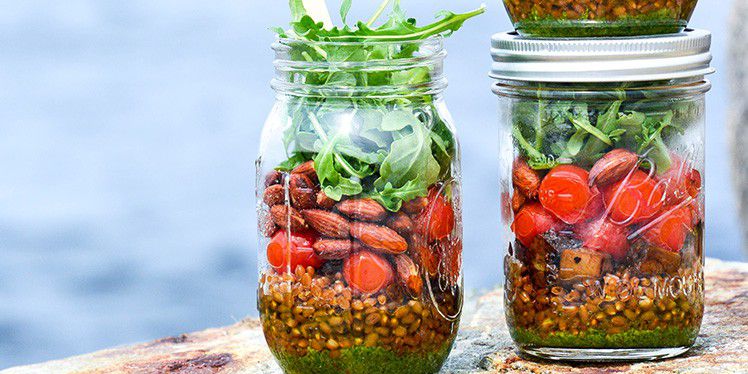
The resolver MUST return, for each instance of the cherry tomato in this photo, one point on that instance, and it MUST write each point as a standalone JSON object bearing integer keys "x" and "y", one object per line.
{"x": 438, "y": 219}
{"x": 681, "y": 181}
{"x": 602, "y": 235}
{"x": 670, "y": 230}
{"x": 531, "y": 221}
{"x": 635, "y": 199}
{"x": 565, "y": 192}
{"x": 451, "y": 255}
{"x": 595, "y": 207}
{"x": 367, "y": 272}
{"x": 284, "y": 256}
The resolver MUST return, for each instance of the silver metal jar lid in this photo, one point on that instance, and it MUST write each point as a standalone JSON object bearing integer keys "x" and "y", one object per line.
{"x": 579, "y": 60}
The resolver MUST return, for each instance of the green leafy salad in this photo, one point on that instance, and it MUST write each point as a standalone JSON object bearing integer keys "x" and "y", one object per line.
{"x": 553, "y": 132}
{"x": 368, "y": 117}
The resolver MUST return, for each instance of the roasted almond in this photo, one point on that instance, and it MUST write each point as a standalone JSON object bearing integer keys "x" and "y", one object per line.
{"x": 274, "y": 195}
{"x": 415, "y": 206}
{"x": 362, "y": 209}
{"x": 333, "y": 249}
{"x": 266, "y": 225}
{"x": 306, "y": 169}
{"x": 327, "y": 223}
{"x": 379, "y": 238}
{"x": 518, "y": 200}
{"x": 303, "y": 198}
{"x": 407, "y": 273}
{"x": 303, "y": 194}
{"x": 273, "y": 177}
{"x": 612, "y": 167}
{"x": 287, "y": 217}
{"x": 324, "y": 201}
{"x": 525, "y": 178}
{"x": 401, "y": 223}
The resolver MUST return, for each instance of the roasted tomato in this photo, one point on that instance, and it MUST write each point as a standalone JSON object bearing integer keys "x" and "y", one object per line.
{"x": 602, "y": 235}
{"x": 681, "y": 181}
{"x": 451, "y": 255}
{"x": 298, "y": 251}
{"x": 565, "y": 192}
{"x": 670, "y": 230}
{"x": 595, "y": 207}
{"x": 531, "y": 221}
{"x": 635, "y": 199}
{"x": 437, "y": 221}
{"x": 367, "y": 272}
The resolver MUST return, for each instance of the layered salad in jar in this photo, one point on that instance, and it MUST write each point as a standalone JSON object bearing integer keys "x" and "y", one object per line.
{"x": 359, "y": 194}
{"x": 607, "y": 204}
{"x": 594, "y": 18}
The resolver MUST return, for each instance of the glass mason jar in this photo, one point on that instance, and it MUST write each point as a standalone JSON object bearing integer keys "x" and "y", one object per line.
{"x": 359, "y": 210}
{"x": 602, "y": 163}
{"x": 586, "y": 18}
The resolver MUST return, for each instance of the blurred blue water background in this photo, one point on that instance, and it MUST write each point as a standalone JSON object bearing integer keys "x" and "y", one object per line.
{"x": 128, "y": 131}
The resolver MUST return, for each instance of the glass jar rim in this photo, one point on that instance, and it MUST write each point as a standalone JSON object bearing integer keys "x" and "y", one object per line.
{"x": 602, "y": 91}
{"x": 292, "y": 70}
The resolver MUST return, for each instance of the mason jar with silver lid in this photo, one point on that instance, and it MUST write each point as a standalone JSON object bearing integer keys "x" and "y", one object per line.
{"x": 602, "y": 164}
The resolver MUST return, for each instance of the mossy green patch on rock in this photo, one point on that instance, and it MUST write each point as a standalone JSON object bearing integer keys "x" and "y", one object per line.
{"x": 363, "y": 360}
{"x": 657, "y": 338}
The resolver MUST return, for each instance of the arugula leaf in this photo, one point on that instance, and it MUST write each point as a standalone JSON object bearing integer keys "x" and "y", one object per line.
{"x": 392, "y": 198}
{"x": 389, "y": 148}
{"x": 345, "y": 7}
{"x": 410, "y": 158}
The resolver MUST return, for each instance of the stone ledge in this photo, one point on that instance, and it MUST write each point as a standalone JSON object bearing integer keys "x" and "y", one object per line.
{"x": 483, "y": 345}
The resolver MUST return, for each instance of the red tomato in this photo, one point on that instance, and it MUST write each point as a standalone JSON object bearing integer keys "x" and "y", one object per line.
{"x": 565, "y": 192}
{"x": 438, "y": 219}
{"x": 681, "y": 181}
{"x": 367, "y": 272}
{"x": 595, "y": 207}
{"x": 635, "y": 199}
{"x": 451, "y": 254}
{"x": 669, "y": 231}
{"x": 604, "y": 236}
{"x": 531, "y": 221}
{"x": 284, "y": 256}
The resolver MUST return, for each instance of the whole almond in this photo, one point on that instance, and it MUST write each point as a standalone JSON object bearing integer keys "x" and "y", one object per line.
{"x": 362, "y": 209}
{"x": 612, "y": 167}
{"x": 401, "y": 223}
{"x": 407, "y": 273}
{"x": 333, "y": 249}
{"x": 303, "y": 194}
{"x": 266, "y": 225}
{"x": 305, "y": 168}
{"x": 415, "y": 206}
{"x": 525, "y": 178}
{"x": 324, "y": 201}
{"x": 518, "y": 200}
{"x": 379, "y": 238}
{"x": 287, "y": 217}
{"x": 328, "y": 223}
{"x": 273, "y": 177}
{"x": 274, "y": 195}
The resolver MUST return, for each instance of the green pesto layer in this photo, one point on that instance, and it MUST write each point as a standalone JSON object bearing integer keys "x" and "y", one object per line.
{"x": 658, "y": 338}
{"x": 363, "y": 360}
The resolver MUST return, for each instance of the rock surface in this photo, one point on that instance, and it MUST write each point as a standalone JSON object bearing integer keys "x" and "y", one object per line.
{"x": 483, "y": 345}
{"x": 739, "y": 109}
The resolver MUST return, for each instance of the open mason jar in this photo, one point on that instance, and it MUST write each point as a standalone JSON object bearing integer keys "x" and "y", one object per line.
{"x": 359, "y": 210}
{"x": 602, "y": 163}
